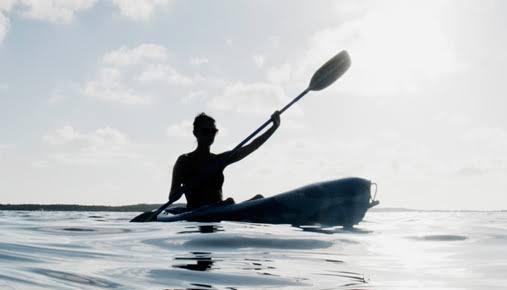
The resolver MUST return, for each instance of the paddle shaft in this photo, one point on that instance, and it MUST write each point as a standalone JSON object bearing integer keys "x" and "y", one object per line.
{"x": 267, "y": 122}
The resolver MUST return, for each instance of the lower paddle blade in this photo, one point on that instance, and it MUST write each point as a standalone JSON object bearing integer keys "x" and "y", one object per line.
{"x": 144, "y": 217}
{"x": 330, "y": 71}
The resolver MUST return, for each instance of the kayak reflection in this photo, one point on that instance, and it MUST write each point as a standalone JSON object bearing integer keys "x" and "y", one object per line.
{"x": 203, "y": 229}
{"x": 203, "y": 261}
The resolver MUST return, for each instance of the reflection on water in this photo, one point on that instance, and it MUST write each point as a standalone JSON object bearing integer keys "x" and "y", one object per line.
{"x": 407, "y": 250}
{"x": 203, "y": 229}
{"x": 200, "y": 261}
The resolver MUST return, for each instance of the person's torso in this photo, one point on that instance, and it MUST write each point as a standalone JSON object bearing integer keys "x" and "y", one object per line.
{"x": 202, "y": 179}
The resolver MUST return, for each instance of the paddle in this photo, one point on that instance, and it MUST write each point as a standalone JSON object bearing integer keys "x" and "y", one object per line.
{"x": 322, "y": 78}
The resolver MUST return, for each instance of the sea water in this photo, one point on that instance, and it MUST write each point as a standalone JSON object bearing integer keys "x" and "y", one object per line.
{"x": 388, "y": 250}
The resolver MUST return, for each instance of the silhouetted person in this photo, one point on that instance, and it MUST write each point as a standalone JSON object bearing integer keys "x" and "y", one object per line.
{"x": 199, "y": 174}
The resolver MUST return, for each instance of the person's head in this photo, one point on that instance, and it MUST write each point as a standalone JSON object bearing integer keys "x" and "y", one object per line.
{"x": 204, "y": 129}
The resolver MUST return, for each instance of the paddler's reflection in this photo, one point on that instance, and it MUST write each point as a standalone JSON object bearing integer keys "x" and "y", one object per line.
{"x": 202, "y": 261}
{"x": 204, "y": 229}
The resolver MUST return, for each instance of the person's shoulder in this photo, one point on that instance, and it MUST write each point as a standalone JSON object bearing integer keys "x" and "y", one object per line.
{"x": 183, "y": 157}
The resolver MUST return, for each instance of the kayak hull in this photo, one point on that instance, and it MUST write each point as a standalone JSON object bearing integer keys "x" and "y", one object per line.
{"x": 331, "y": 203}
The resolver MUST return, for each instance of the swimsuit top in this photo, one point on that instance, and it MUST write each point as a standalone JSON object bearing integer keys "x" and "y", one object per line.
{"x": 202, "y": 183}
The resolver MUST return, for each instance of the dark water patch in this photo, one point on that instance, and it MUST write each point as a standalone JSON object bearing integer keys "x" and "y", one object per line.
{"x": 56, "y": 230}
{"x": 238, "y": 242}
{"x": 332, "y": 231}
{"x": 95, "y": 216}
{"x": 205, "y": 229}
{"x": 442, "y": 238}
{"x": 199, "y": 265}
{"x": 78, "y": 230}
{"x": 201, "y": 261}
{"x": 79, "y": 279}
{"x": 6, "y": 258}
{"x": 334, "y": 261}
{"x": 202, "y": 285}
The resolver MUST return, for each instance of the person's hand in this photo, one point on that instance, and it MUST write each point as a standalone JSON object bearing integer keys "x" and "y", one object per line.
{"x": 275, "y": 118}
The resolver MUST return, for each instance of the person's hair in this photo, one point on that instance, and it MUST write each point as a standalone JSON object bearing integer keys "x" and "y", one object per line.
{"x": 201, "y": 118}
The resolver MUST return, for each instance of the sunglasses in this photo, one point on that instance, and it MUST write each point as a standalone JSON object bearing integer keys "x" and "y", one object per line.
{"x": 208, "y": 131}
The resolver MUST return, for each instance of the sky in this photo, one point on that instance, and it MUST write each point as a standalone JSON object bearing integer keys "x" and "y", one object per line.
{"x": 97, "y": 97}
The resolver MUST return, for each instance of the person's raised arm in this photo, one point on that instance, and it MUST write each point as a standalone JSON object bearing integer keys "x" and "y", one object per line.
{"x": 244, "y": 151}
{"x": 176, "y": 184}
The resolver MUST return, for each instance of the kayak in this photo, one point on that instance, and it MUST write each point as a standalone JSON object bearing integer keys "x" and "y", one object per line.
{"x": 341, "y": 202}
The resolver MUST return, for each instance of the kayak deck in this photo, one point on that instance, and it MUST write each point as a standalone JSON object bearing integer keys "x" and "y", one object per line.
{"x": 337, "y": 202}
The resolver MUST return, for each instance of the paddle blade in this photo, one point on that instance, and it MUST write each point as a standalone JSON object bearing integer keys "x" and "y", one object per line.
{"x": 144, "y": 217}
{"x": 330, "y": 71}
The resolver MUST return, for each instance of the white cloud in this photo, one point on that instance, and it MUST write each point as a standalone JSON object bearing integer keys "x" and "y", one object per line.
{"x": 259, "y": 60}
{"x": 194, "y": 96}
{"x": 182, "y": 129}
{"x": 100, "y": 146}
{"x": 135, "y": 75}
{"x": 4, "y": 26}
{"x": 280, "y": 74}
{"x": 141, "y": 54}
{"x": 140, "y": 9}
{"x": 6, "y": 5}
{"x": 198, "y": 60}
{"x": 64, "y": 135}
{"x": 250, "y": 98}
{"x": 111, "y": 86}
{"x": 58, "y": 11}
{"x": 162, "y": 73}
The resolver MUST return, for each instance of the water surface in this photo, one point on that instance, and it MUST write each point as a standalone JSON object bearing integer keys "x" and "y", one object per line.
{"x": 395, "y": 250}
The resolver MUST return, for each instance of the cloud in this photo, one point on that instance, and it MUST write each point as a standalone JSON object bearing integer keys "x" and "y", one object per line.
{"x": 259, "y": 60}
{"x": 5, "y": 6}
{"x": 4, "y": 26}
{"x": 249, "y": 98}
{"x": 182, "y": 129}
{"x": 198, "y": 60}
{"x": 64, "y": 135}
{"x": 396, "y": 47}
{"x": 280, "y": 74}
{"x": 133, "y": 75}
{"x": 113, "y": 87}
{"x": 194, "y": 97}
{"x": 163, "y": 73}
{"x": 143, "y": 53}
{"x": 103, "y": 145}
{"x": 57, "y": 11}
{"x": 140, "y": 9}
